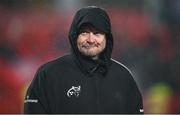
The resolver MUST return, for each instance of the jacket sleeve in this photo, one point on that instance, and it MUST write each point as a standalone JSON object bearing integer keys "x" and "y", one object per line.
{"x": 135, "y": 99}
{"x": 36, "y": 100}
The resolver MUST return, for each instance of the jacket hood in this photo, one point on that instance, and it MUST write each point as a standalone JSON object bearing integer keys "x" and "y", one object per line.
{"x": 99, "y": 18}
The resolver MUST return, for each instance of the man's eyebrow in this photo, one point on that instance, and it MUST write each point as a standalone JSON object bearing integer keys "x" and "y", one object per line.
{"x": 84, "y": 30}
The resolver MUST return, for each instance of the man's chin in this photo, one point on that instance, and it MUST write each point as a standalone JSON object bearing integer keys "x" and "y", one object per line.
{"x": 89, "y": 54}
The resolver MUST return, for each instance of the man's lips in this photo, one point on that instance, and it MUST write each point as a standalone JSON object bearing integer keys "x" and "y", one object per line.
{"x": 89, "y": 46}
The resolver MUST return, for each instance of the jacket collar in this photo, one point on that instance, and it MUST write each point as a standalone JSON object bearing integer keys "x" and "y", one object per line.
{"x": 89, "y": 66}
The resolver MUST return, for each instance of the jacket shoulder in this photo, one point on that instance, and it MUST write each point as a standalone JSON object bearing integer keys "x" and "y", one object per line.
{"x": 120, "y": 66}
{"x": 58, "y": 62}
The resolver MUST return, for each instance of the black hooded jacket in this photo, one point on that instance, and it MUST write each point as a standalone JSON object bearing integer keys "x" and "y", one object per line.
{"x": 76, "y": 84}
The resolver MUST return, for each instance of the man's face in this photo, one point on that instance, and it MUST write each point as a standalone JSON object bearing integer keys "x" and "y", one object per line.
{"x": 90, "y": 41}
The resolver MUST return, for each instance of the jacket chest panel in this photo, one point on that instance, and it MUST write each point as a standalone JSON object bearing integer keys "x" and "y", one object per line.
{"x": 88, "y": 94}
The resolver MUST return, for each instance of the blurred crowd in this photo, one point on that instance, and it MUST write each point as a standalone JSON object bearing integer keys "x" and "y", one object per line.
{"x": 149, "y": 46}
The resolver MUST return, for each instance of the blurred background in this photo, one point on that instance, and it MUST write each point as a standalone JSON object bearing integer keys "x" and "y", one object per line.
{"x": 146, "y": 35}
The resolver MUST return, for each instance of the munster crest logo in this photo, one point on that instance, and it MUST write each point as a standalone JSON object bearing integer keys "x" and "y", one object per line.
{"x": 74, "y": 91}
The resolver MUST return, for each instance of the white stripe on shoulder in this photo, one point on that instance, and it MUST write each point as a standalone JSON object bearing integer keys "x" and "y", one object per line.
{"x": 122, "y": 65}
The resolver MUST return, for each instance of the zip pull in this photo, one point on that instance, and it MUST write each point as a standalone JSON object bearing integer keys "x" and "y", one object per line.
{"x": 94, "y": 69}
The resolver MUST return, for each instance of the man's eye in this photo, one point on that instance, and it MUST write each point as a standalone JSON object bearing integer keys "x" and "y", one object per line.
{"x": 98, "y": 33}
{"x": 84, "y": 33}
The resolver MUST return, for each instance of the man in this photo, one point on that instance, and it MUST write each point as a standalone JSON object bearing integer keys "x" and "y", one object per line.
{"x": 87, "y": 80}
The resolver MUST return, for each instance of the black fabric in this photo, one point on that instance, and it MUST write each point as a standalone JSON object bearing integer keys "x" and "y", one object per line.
{"x": 115, "y": 93}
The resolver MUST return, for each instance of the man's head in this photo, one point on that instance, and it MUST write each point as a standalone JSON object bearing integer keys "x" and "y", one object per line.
{"x": 90, "y": 41}
{"x": 90, "y": 34}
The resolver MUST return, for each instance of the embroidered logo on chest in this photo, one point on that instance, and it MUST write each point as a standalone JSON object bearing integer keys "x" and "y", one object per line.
{"x": 74, "y": 91}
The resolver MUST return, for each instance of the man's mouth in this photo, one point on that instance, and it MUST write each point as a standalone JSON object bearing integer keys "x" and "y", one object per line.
{"x": 89, "y": 46}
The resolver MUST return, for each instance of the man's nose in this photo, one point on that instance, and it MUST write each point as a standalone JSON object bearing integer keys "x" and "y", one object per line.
{"x": 91, "y": 38}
